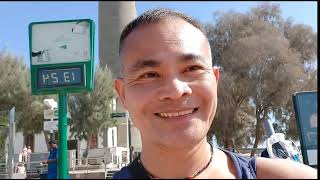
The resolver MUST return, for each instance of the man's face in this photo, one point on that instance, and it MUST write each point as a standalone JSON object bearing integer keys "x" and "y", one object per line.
{"x": 53, "y": 146}
{"x": 168, "y": 86}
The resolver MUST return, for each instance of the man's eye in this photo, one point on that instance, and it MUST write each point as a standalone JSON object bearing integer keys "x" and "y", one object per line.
{"x": 193, "y": 68}
{"x": 149, "y": 75}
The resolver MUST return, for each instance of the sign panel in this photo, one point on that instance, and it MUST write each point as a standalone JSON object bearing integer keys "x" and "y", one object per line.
{"x": 50, "y": 126}
{"x": 60, "y": 42}
{"x": 61, "y": 56}
{"x": 53, "y": 114}
{"x": 305, "y": 105}
{"x": 59, "y": 77}
{"x": 50, "y": 114}
{"x": 116, "y": 115}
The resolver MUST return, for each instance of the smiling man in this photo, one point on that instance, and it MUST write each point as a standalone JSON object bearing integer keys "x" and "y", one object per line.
{"x": 169, "y": 87}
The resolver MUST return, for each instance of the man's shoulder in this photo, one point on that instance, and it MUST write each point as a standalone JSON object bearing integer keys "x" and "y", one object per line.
{"x": 54, "y": 150}
{"x": 244, "y": 166}
{"x": 132, "y": 171}
{"x": 124, "y": 173}
{"x": 127, "y": 172}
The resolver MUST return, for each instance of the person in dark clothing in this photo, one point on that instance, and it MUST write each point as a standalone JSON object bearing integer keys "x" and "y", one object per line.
{"x": 169, "y": 86}
{"x": 52, "y": 161}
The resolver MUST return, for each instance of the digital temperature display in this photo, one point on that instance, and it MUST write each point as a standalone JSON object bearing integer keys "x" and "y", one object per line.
{"x": 60, "y": 77}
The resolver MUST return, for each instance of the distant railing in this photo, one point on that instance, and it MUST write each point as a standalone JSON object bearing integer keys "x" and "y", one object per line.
{"x": 98, "y": 159}
{"x": 247, "y": 151}
{"x": 34, "y": 168}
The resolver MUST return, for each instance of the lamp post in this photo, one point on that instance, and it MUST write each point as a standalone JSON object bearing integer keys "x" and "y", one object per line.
{"x": 129, "y": 136}
{"x": 12, "y": 131}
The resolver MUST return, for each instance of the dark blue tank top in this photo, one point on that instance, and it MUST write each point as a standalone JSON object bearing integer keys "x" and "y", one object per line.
{"x": 245, "y": 168}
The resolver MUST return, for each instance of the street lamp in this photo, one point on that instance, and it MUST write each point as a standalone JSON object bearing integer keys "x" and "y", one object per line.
{"x": 129, "y": 136}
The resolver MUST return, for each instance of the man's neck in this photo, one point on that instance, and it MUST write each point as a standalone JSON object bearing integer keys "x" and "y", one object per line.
{"x": 177, "y": 163}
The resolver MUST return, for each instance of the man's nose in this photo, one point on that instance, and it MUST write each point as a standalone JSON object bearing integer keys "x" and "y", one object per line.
{"x": 174, "y": 89}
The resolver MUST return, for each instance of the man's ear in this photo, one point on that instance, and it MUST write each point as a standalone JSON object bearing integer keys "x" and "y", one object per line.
{"x": 119, "y": 87}
{"x": 216, "y": 73}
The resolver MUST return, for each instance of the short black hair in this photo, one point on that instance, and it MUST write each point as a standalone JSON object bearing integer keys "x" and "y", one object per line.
{"x": 52, "y": 142}
{"x": 154, "y": 16}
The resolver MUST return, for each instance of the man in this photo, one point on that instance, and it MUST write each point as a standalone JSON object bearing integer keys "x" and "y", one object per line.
{"x": 169, "y": 87}
{"x": 52, "y": 161}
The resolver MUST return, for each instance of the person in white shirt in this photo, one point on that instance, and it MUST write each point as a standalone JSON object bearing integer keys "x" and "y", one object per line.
{"x": 24, "y": 154}
{"x": 29, "y": 151}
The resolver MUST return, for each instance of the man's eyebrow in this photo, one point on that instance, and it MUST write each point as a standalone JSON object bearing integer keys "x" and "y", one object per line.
{"x": 151, "y": 63}
{"x": 190, "y": 57}
{"x": 142, "y": 64}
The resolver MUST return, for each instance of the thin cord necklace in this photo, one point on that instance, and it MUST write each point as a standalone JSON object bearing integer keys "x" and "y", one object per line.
{"x": 189, "y": 177}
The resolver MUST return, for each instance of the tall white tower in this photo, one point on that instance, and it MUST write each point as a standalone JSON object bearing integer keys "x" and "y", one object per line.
{"x": 113, "y": 17}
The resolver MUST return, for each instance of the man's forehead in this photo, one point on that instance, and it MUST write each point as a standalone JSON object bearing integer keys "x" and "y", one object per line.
{"x": 167, "y": 30}
{"x": 147, "y": 63}
{"x": 157, "y": 39}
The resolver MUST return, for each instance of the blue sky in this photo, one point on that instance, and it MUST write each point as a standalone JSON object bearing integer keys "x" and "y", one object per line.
{"x": 16, "y": 16}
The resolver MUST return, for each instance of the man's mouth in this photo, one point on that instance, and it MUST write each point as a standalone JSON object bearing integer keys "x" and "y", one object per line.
{"x": 177, "y": 113}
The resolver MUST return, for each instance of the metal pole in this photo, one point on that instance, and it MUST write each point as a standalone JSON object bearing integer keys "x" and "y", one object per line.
{"x": 129, "y": 132}
{"x": 11, "y": 141}
{"x": 268, "y": 127}
{"x": 63, "y": 124}
{"x": 128, "y": 137}
{"x": 52, "y": 132}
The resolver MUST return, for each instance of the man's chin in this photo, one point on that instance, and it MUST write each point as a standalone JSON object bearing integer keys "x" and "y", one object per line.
{"x": 180, "y": 141}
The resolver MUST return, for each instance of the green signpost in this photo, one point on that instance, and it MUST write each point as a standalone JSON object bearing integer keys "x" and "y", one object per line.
{"x": 61, "y": 59}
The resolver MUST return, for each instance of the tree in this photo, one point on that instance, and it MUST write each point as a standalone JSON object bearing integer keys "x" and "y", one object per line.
{"x": 233, "y": 122}
{"x": 15, "y": 90}
{"x": 303, "y": 41}
{"x": 232, "y": 89}
{"x": 91, "y": 111}
{"x": 272, "y": 74}
{"x": 262, "y": 67}
{"x": 13, "y": 80}
{"x": 3, "y": 133}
